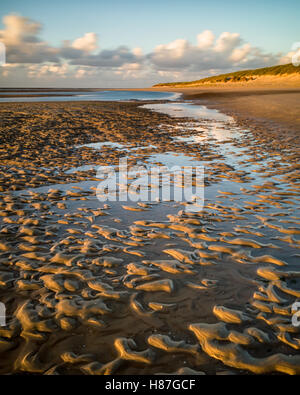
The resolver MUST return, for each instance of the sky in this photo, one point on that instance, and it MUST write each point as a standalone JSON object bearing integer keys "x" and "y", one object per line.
{"x": 131, "y": 43}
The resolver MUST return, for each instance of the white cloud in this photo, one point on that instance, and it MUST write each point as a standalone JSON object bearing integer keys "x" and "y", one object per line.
{"x": 222, "y": 54}
{"x": 205, "y": 39}
{"x": 81, "y": 61}
{"x": 18, "y": 29}
{"x": 20, "y": 37}
{"x": 87, "y": 43}
{"x": 46, "y": 70}
{"x": 240, "y": 54}
{"x": 105, "y": 58}
{"x": 227, "y": 42}
{"x": 130, "y": 70}
{"x": 175, "y": 49}
{"x": 138, "y": 52}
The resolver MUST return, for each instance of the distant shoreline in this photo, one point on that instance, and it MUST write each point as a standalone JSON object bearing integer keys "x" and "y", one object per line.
{"x": 274, "y": 105}
{"x": 277, "y": 106}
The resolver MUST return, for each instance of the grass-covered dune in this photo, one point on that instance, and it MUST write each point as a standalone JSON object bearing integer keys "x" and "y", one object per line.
{"x": 240, "y": 76}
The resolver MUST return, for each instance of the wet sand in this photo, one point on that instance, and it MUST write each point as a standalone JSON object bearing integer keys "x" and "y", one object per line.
{"x": 146, "y": 287}
{"x": 274, "y": 105}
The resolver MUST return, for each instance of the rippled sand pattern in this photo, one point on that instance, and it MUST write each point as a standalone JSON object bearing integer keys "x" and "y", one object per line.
{"x": 146, "y": 287}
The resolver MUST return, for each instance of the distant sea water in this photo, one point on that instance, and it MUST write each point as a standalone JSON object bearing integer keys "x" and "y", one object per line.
{"x": 115, "y": 95}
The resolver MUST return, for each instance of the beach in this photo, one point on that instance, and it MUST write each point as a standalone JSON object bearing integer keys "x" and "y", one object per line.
{"x": 273, "y": 102}
{"x": 151, "y": 286}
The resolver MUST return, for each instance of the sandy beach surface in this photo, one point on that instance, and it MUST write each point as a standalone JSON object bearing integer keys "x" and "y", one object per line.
{"x": 149, "y": 287}
{"x": 269, "y": 102}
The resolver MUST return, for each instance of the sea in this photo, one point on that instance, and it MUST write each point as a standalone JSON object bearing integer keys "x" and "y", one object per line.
{"x": 105, "y": 95}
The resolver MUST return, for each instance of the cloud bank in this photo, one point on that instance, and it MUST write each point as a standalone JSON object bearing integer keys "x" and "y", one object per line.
{"x": 81, "y": 62}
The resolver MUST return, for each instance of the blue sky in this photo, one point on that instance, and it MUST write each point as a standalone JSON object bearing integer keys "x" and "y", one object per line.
{"x": 272, "y": 26}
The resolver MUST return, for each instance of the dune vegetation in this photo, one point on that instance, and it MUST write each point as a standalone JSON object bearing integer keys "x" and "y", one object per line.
{"x": 240, "y": 76}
